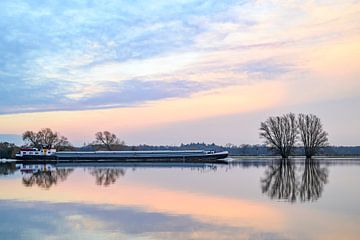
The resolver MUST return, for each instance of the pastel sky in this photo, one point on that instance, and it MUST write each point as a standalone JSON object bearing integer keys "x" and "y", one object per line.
{"x": 166, "y": 72}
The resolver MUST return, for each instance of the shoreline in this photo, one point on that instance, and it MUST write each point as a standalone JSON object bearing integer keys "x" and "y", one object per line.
{"x": 232, "y": 159}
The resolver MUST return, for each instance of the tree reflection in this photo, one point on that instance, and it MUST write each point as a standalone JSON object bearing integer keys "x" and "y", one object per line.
{"x": 281, "y": 181}
{"x": 46, "y": 179}
{"x": 7, "y": 168}
{"x": 107, "y": 176}
{"x": 313, "y": 180}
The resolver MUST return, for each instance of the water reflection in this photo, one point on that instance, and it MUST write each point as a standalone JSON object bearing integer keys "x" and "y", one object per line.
{"x": 313, "y": 180}
{"x": 177, "y": 202}
{"x": 281, "y": 181}
{"x": 48, "y": 175}
{"x": 100, "y": 221}
{"x": 43, "y": 176}
{"x": 7, "y": 168}
{"x": 106, "y": 176}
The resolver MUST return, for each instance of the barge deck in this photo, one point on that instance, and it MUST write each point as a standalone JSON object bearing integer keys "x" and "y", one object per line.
{"x": 189, "y": 156}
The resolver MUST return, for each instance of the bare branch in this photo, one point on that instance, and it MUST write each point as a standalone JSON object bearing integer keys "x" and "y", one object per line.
{"x": 45, "y": 138}
{"x": 108, "y": 140}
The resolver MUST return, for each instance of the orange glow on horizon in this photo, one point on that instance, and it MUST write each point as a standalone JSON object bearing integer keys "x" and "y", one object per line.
{"x": 83, "y": 124}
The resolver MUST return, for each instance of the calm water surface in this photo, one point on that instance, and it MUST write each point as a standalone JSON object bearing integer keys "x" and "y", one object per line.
{"x": 254, "y": 200}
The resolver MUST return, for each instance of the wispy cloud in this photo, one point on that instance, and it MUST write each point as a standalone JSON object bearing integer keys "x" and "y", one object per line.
{"x": 73, "y": 55}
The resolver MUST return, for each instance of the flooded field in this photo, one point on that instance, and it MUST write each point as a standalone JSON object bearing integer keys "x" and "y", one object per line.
{"x": 249, "y": 199}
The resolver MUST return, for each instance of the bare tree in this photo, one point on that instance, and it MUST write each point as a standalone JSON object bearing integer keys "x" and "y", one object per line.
{"x": 45, "y": 138}
{"x": 312, "y": 134}
{"x": 108, "y": 140}
{"x": 31, "y": 139}
{"x": 280, "y": 133}
{"x": 63, "y": 144}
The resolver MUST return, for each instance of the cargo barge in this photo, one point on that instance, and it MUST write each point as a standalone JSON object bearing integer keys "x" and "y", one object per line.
{"x": 51, "y": 155}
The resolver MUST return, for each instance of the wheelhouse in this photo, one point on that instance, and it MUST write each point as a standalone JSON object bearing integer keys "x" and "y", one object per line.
{"x": 35, "y": 152}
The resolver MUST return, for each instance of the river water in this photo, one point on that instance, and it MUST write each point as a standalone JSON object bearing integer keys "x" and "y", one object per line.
{"x": 257, "y": 199}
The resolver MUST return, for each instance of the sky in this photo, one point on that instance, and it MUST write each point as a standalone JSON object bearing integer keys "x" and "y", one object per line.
{"x": 166, "y": 72}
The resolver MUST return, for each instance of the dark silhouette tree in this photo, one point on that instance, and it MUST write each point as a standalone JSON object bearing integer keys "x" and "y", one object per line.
{"x": 312, "y": 134}
{"x": 280, "y": 133}
{"x": 106, "y": 176}
{"x": 31, "y": 139}
{"x": 108, "y": 140}
{"x": 46, "y": 138}
{"x": 280, "y": 181}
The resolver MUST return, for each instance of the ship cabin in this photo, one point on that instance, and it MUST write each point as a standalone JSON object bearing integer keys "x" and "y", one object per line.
{"x": 35, "y": 152}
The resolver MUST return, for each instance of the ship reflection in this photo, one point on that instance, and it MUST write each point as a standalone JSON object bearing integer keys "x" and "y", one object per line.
{"x": 283, "y": 182}
{"x": 106, "y": 176}
{"x": 48, "y": 175}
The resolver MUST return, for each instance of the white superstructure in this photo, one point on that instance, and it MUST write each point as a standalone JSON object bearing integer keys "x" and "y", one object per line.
{"x": 34, "y": 168}
{"x": 35, "y": 152}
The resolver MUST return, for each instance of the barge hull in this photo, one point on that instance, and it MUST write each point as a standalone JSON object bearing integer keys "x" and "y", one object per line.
{"x": 219, "y": 158}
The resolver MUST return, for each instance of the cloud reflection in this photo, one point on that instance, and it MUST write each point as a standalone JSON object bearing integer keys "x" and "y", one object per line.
{"x": 86, "y": 221}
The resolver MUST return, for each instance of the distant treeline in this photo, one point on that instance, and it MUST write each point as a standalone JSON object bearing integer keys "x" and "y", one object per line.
{"x": 244, "y": 149}
{"x": 8, "y": 150}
